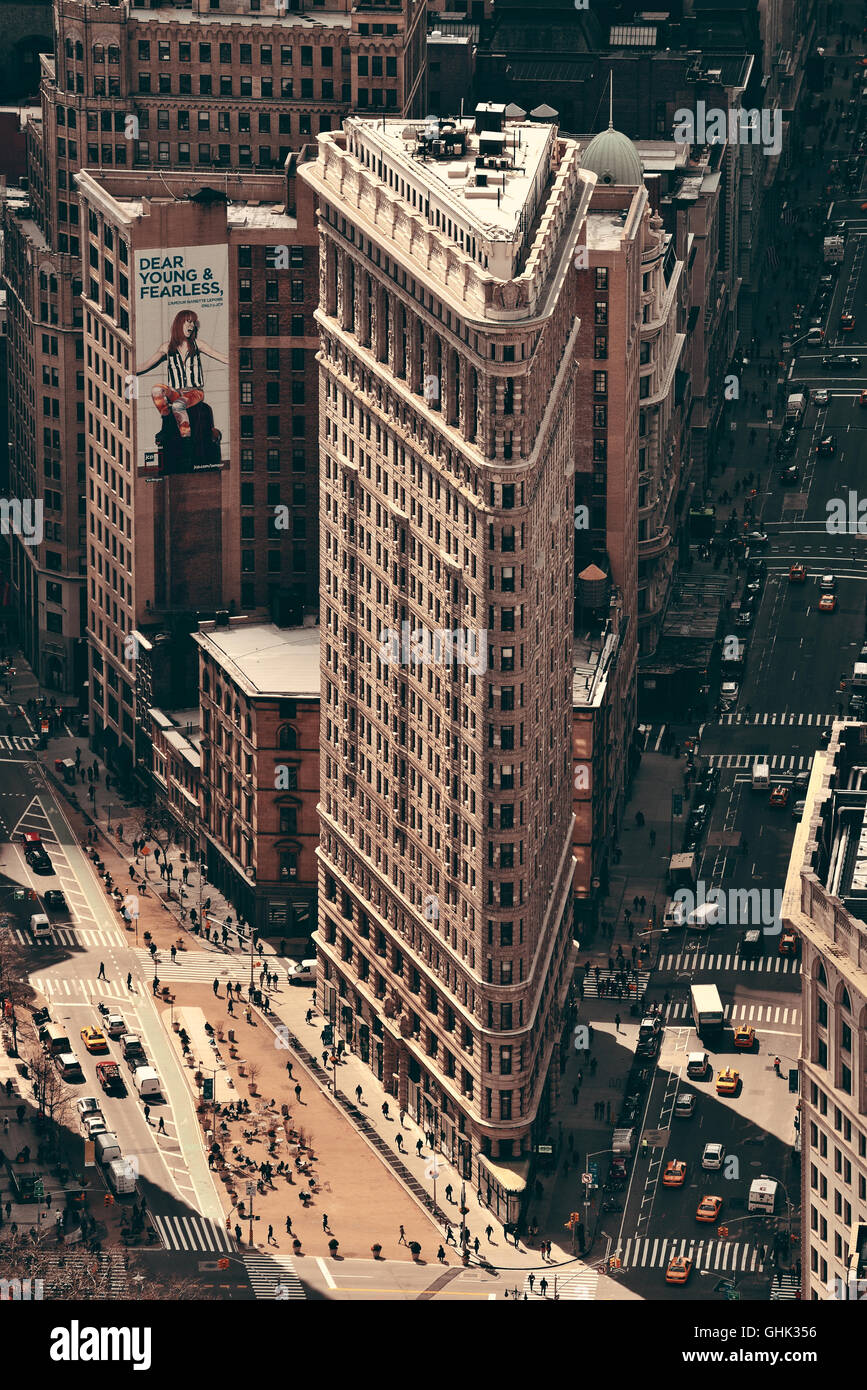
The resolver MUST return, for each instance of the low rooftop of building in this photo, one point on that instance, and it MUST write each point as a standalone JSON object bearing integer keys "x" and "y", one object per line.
{"x": 265, "y": 661}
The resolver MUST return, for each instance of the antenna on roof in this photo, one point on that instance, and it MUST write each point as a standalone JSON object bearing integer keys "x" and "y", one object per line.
{"x": 611, "y": 100}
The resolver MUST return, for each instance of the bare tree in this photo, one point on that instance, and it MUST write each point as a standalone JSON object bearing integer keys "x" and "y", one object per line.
{"x": 15, "y": 992}
{"x": 52, "y": 1095}
{"x": 80, "y": 1275}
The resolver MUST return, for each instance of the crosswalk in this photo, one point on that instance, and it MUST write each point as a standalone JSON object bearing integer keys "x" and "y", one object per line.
{"x": 742, "y": 1013}
{"x": 273, "y": 1276}
{"x": 581, "y": 1285}
{"x": 787, "y": 718}
{"x": 74, "y": 936}
{"x": 779, "y": 762}
{"x": 193, "y": 1232}
{"x": 758, "y": 965}
{"x": 645, "y": 1252}
{"x": 75, "y": 1274}
{"x": 196, "y": 967}
{"x": 17, "y": 743}
{"x": 64, "y": 987}
{"x": 785, "y": 1286}
{"x": 593, "y": 989}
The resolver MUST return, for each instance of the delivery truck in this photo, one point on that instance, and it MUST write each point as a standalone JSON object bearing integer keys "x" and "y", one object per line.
{"x": 761, "y": 774}
{"x": 707, "y": 1010}
{"x": 833, "y": 248}
{"x": 107, "y": 1147}
{"x": 796, "y": 407}
{"x": 763, "y": 1195}
{"x": 120, "y": 1176}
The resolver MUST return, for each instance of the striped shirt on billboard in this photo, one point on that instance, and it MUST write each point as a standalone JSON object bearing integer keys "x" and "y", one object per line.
{"x": 185, "y": 372}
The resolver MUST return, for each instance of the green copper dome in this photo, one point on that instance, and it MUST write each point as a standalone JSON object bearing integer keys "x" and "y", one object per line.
{"x": 614, "y": 159}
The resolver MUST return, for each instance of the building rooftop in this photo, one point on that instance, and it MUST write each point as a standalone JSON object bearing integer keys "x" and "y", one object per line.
{"x": 264, "y": 660}
{"x": 614, "y": 159}
{"x": 253, "y": 201}
{"x": 288, "y": 19}
{"x": 492, "y": 180}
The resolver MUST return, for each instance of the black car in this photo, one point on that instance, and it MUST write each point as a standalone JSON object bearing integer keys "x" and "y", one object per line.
{"x": 36, "y": 856}
{"x": 788, "y": 475}
{"x": 757, "y": 568}
{"x": 750, "y": 943}
{"x": 828, "y": 445}
{"x": 708, "y": 786}
{"x": 841, "y": 362}
{"x": 800, "y": 785}
{"x": 55, "y": 901}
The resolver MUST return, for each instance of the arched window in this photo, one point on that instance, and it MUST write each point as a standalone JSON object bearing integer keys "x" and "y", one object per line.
{"x": 79, "y": 52}
{"x": 288, "y": 737}
{"x": 821, "y": 977}
{"x": 845, "y": 1001}
{"x": 70, "y": 50}
{"x": 98, "y": 53}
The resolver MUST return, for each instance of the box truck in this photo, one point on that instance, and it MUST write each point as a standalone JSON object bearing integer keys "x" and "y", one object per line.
{"x": 833, "y": 248}
{"x": 707, "y": 1009}
{"x": 796, "y": 407}
{"x": 120, "y": 1175}
{"x": 763, "y": 1194}
{"x": 761, "y": 774}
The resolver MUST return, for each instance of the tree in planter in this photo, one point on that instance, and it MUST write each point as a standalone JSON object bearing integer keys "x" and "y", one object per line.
{"x": 254, "y": 1070}
{"x": 14, "y": 988}
{"x": 52, "y": 1095}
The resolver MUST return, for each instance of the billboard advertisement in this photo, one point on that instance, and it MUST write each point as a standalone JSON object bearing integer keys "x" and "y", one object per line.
{"x": 180, "y": 376}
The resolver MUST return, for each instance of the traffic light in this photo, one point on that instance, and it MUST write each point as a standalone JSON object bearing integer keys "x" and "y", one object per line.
{"x": 208, "y": 1088}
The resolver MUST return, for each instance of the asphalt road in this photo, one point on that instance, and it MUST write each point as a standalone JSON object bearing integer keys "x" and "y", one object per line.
{"x": 173, "y": 1174}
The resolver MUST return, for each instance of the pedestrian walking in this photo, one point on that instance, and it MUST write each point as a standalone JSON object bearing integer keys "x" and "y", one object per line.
{"x": 297, "y": 1091}
{"x": 418, "y": 1147}
{"x": 642, "y": 902}
{"x": 385, "y": 1109}
{"x": 617, "y": 1023}
{"x": 531, "y": 1279}
{"x": 401, "y": 1115}
{"x": 543, "y": 1286}
{"x": 173, "y": 953}
{"x": 161, "y": 1127}
{"x": 308, "y": 1017}
{"x": 101, "y": 975}
{"x": 325, "y": 1221}
{"x": 398, "y": 1139}
{"x": 129, "y": 980}
{"x": 489, "y": 1232}
{"x": 358, "y": 1094}
{"x": 449, "y": 1190}
{"x": 476, "y": 1244}
{"x": 271, "y": 1240}
{"x": 450, "y": 1236}
{"x": 216, "y": 986}
{"x": 402, "y": 1238}
{"x": 289, "y": 1069}
{"x": 441, "y": 1255}
{"x": 325, "y": 1058}
{"x": 289, "y": 1225}
{"x": 238, "y": 1234}
{"x": 156, "y": 985}
{"x": 147, "y": 1113}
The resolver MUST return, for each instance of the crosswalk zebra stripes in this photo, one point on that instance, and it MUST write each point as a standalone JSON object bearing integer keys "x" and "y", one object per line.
{"x": 17, "y": 743}
{"x": 193, "y": 1232}
{"x": 645, "y": 1252}
{"x": 74, "y": 936}
{"x": 742, "y": 1013}
{"x": 784, "y": 763}
{"x": 758, "y": 965}
{"x": 593, "y": 988}
{"x": 197, "y": 967}
{"x": 582, "y": 1285}
{"x": 59, "y": 987}
{"x": 785, "y": 717}
{"x": 785, "y": 1286}
{"x": 273, "y": 1276}
{"x": 69, "y": 1273}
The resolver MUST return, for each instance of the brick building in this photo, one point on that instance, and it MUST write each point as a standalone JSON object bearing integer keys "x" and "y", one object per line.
{"x": 449, "y": 374}
{"x": 209, "y": 88}
{"x": 259, "y": 694}
{"x": 163, "y": 550}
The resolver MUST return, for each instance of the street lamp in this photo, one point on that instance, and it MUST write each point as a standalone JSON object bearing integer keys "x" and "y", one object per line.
{"x": 587, "y": 1185}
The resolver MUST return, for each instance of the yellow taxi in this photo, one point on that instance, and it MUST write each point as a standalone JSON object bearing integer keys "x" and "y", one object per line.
{"x": 779, "y": 796}
{"x": 675, "y": 1173}
{"x": 827, "y": 603}
{"x": 709, "y": 1209}
{"x": 745, "y": 1037}
{"x": 798, "y": 574}
{"x": 679, "y": 1270}
{"x": 94, "y": 1040}
{"x": 727, "y": 1082}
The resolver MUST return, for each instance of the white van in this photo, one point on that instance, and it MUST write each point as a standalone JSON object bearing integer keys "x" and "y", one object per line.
{"x": 40, "y": 928}
{"x": 703, "y": 917}
{"x": 674, "y": 915}
{"x": 147, "y": 1082}
{"x": 761, "y": 774}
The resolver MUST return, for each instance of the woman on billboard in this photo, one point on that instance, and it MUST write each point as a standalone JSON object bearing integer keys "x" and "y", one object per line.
{"x": 185, "y": 389}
